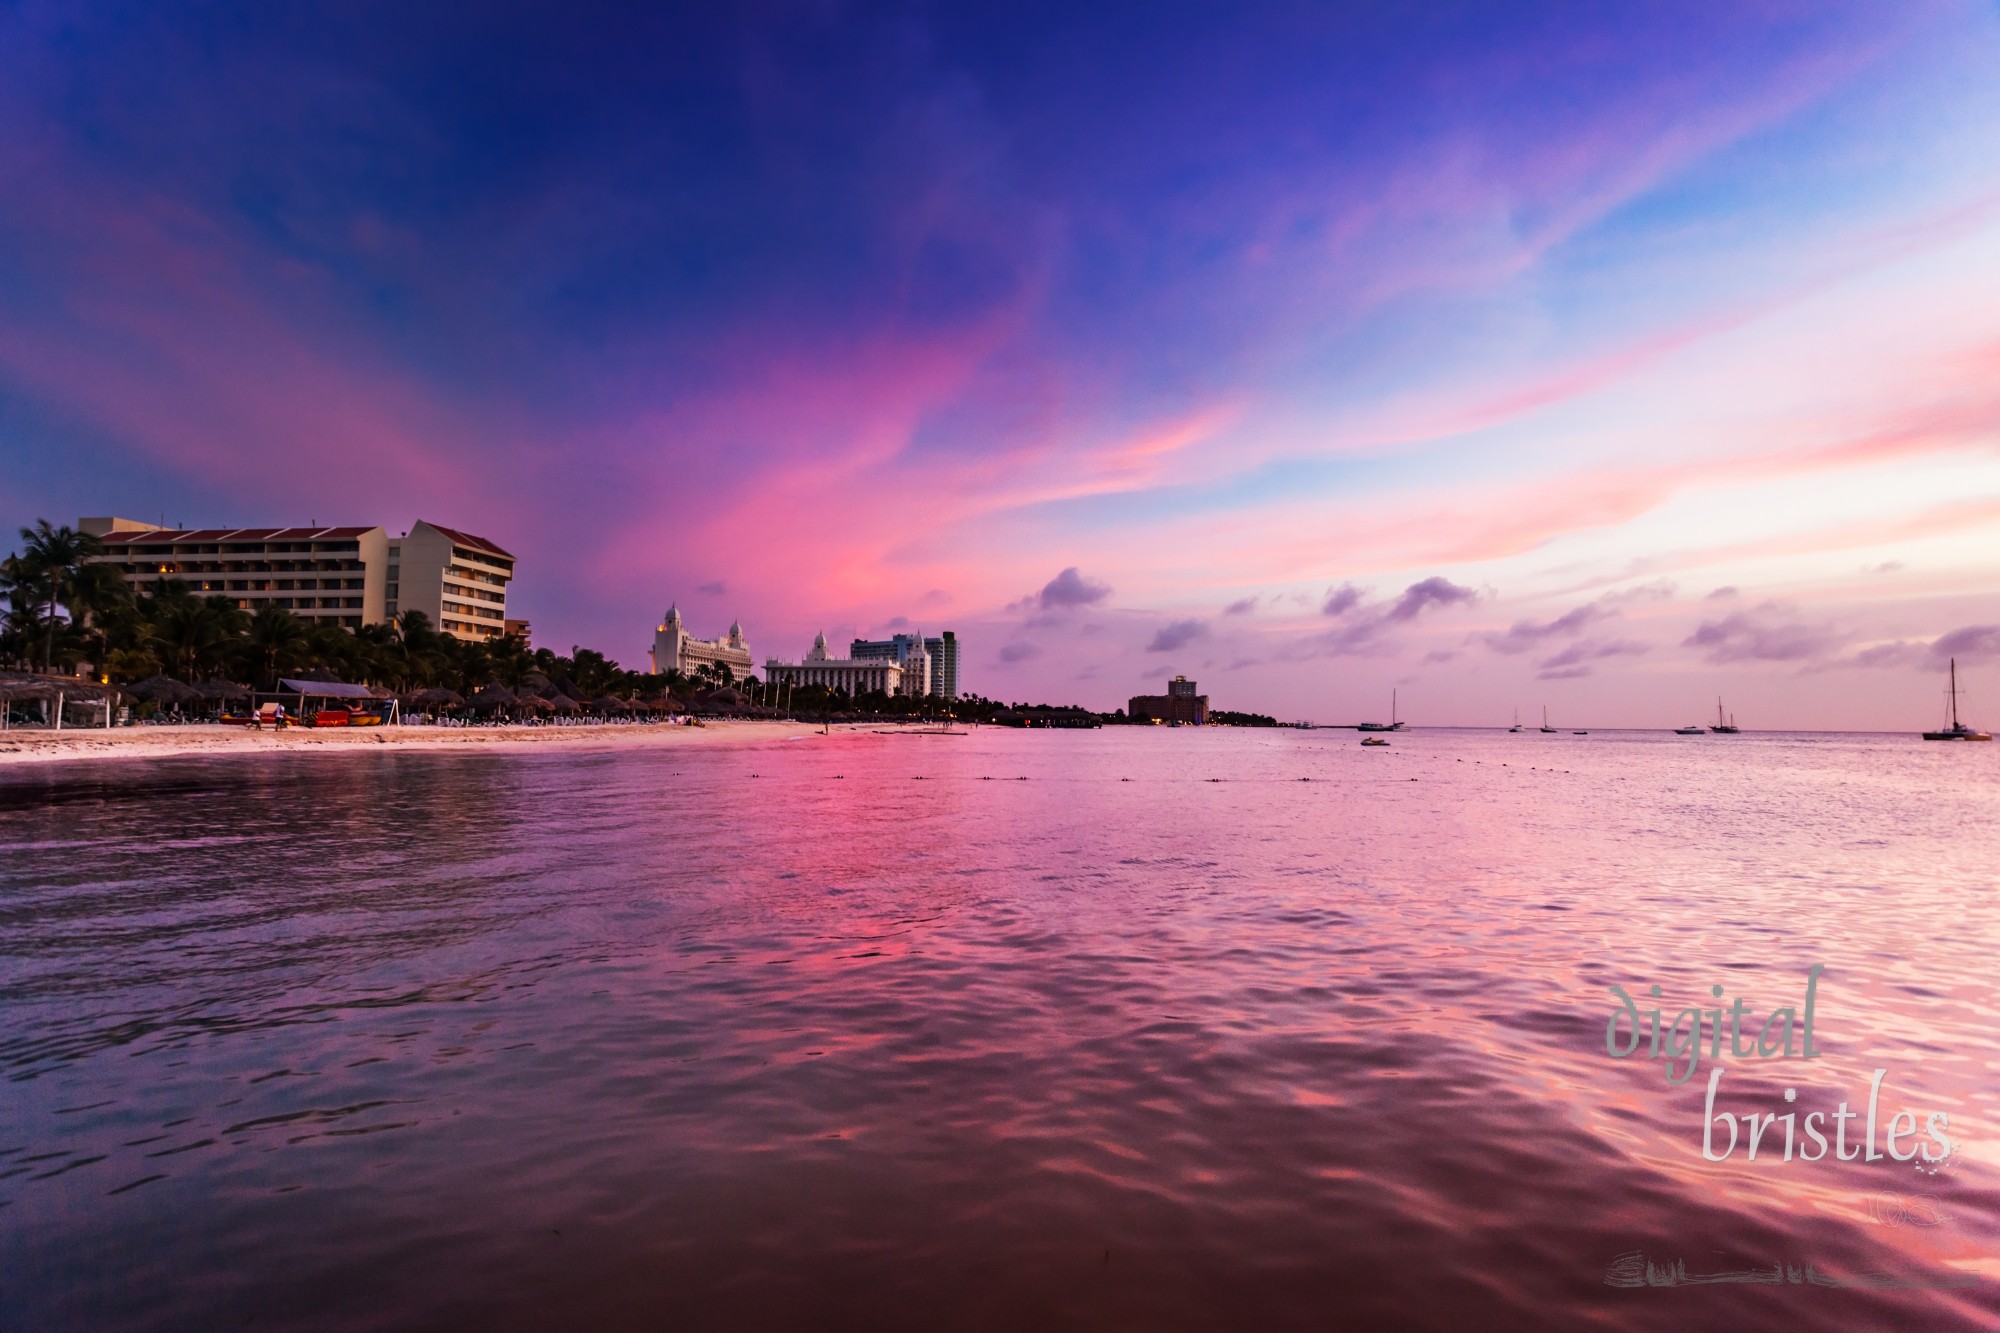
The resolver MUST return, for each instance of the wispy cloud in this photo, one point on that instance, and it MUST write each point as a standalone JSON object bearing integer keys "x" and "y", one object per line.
{"x": 1070, "y": 589}
{"x": 1365, "y": 625}
{"x": 1526, "y": 635}
{"x": 1578, "y": 659}
{"x": 1767, "y": 633}
{"x": 1973, "y": 643}
{"x": 1178, "y": 635}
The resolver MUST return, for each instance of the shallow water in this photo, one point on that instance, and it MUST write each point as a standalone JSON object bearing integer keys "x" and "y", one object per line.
{"x": 1131, "y": 1029}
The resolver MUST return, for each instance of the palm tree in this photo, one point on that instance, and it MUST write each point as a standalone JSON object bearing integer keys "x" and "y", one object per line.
{"x": 55, "y": 555}
{"x": 194, "y": 633}
{"x": 423, "y": 657}
{"x": 19, "y": 585}
{"x": 276, "y": 641}
{"x": 333, "y": 648}
{"x": 509, "y": 660}
{"x": 100, "y": 602}
{"x": 377, "y": 650}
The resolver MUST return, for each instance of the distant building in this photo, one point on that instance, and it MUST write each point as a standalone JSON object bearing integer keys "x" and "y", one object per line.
{"x": 848, "y": 675}
{"x": 344, "y": 576}
{"x": 674, "y": 649}
{"x": 912, "y": 652}
{"x": 942, "y": 651}
{"x": 1179, "y": 706}
{"x": 520, "y": 629}
{"x": 1042, "y": 715}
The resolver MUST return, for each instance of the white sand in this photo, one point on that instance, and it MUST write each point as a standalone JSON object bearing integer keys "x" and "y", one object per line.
{"x": 77, "y": 744}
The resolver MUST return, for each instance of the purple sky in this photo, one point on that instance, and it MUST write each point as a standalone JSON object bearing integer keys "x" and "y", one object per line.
{"x": 1602, "y": 357}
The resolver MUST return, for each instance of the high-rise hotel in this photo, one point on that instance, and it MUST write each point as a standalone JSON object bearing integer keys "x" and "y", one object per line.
{"x": 942, "y": 677}
{"x": 342, "y": 576}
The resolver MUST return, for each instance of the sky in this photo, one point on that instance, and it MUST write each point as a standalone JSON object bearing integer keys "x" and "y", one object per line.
{"x": 1607, "y": 359}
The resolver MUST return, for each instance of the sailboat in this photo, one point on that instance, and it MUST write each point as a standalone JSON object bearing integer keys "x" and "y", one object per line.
{"x": 1724, "y": 726}
{"x": 1957, "y": 731}
{"x": 1517, "y": 721}
{"x": 1391, "y": 725}
{"x": 1545, "y": 721}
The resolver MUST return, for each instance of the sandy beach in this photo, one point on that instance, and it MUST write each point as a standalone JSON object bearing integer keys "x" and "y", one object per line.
{"x": 78, "y": 744}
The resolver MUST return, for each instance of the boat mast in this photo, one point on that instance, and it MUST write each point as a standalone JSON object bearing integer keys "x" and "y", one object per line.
{"x": 1954, "y": 694}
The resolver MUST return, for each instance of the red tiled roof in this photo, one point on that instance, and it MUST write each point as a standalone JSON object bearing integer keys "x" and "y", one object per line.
{"x": 467, "y": 539}
{"x": 155, "y": 536}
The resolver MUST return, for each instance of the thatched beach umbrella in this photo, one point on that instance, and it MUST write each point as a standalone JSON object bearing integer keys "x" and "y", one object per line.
{"x": 61, "y": 691}
{"x": 221, "y": 689}
{"x": 562, "y": 703}
{"x": 21, "y": 689}
{"x": 607, "y": 704}
{"x": 494, "y": 696}
{"x": 724, "y": 700}
{"x": 533, "y": 703}
{"x": 25, "y": 689}
{"x": 164, "y": 690}
{"x": 435, "y": 697}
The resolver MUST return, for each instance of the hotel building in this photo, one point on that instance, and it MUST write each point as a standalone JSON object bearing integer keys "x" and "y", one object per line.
{"x": 852, "y": 677}
{"x": 674, "y": 649}
{"x": 342, "y": 576}
{"x": 458, "y": 580}
{"x": 1180, "y": 706}
{"x": 942, "y": 651}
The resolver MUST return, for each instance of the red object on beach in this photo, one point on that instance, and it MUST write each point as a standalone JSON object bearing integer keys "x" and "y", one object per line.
{"x": 332, "y": 717}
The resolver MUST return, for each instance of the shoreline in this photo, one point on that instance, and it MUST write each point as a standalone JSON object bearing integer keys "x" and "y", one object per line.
{"x": 83, "y": 744}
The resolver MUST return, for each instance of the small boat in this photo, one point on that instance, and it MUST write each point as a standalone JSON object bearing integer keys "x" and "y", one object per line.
{"x": 1724, "y": 726}
{"x": 1517, "y": 721}
{"x": 1579, "y": 733}
{"x": 1391, "y": 725}
{"x": 1694, "y": 730}
{"x": 1957, "y": 731}
{"x": 1374, "y": 740}
{"x": 1546, "y": 728}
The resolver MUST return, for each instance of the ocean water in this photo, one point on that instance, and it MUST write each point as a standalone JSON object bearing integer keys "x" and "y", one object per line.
{"x": 1130, "y": 1029}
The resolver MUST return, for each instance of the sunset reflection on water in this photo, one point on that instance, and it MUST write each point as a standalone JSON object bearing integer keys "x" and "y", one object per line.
{"x": 636, "y": 1038}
